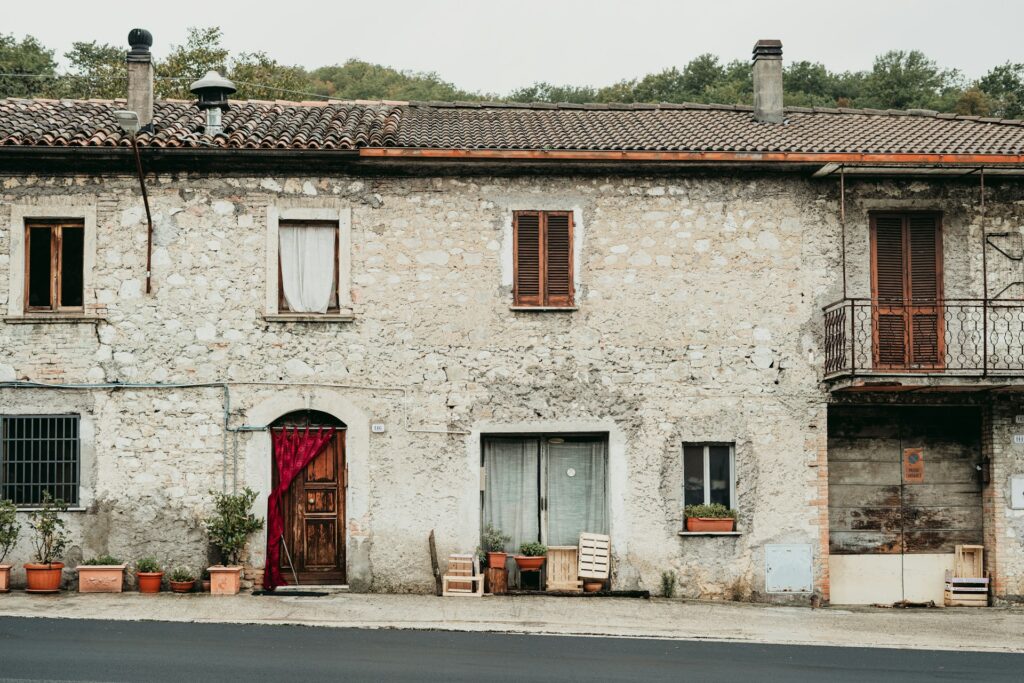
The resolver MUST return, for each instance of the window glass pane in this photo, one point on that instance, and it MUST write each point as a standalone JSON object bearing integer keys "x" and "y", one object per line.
{"x": 693, "y": 473}
{"x": 39, "y": 276}
{"x": 718, "y": 466}
{"x": 576, "y": 486}
{"x": 512, "y": 492}
{"x": 71, "y": 254}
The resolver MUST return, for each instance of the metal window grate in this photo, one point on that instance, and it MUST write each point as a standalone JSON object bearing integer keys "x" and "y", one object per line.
{"x": 39, "y": 453}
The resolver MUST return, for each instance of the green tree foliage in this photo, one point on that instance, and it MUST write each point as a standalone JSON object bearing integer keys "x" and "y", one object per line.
{"x": 359, "y": 80}
{"x": 1004, "y": 86}
{"x": 99, "y": 71}
{"x": 25, "y": 57}
{"x": 898, "y": 79}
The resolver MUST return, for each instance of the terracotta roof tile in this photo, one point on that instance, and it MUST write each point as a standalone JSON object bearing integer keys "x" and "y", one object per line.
{"x": 338, "y": 125}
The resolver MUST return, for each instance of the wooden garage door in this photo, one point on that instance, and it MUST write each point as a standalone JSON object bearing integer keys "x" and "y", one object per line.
{"x": 877, "y": 504}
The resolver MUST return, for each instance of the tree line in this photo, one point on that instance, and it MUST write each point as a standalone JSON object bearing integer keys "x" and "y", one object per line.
{"x": 898, "y": 79}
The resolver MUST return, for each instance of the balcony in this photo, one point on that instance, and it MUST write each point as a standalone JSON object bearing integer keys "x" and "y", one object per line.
{"x": 951, "y": 338}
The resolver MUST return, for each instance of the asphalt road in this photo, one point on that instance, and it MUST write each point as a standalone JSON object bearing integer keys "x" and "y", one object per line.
{"x": 65, "y": 649}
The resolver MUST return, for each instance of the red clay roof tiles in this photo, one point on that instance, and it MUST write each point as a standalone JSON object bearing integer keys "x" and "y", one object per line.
{"x": 508, "y": 126}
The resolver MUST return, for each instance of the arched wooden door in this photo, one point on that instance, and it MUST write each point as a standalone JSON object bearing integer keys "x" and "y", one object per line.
{"x": 314, "y": 508}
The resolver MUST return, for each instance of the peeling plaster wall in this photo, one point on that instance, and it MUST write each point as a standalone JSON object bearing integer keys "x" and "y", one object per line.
{"x": 699, "y": 320}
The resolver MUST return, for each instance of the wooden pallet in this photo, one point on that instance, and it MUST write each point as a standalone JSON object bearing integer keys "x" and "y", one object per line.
{"x": 968, "y": 561}
{"x": 595, "y": 556}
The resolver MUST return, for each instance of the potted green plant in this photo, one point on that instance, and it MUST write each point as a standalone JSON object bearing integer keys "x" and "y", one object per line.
{"x": 183, "y": 580}
{"x": 103, "y": 574}
{"x": 229, "y": 529}
{"x": 149, "y": 575}
{"x": 49, "y": 538}
{"x": 531, "y": 556}
{"x": 9, "y": 531}
{"x": 713, "y": 517}
{"x": 494, "y": 545}
{"x": 205, "y": 581}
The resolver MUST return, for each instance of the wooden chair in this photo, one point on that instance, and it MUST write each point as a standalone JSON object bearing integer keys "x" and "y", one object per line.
{"x": 595, "y": 556}
{"x": 463, "y": 578}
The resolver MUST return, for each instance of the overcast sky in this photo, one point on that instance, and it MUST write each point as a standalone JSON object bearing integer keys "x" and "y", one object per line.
{"x": 497, "y": 46}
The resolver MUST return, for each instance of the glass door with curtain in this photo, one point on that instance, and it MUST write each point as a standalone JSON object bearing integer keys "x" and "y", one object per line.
{"x": 545, "y": 488}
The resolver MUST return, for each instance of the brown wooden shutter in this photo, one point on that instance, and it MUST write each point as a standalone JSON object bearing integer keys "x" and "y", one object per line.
{"x": 889, "y": 279}
{"x": 907, "y": 291}
{"x": 527, "y": 244}
{"x": 924, "y": 273}
{"x": 558, "y": 233}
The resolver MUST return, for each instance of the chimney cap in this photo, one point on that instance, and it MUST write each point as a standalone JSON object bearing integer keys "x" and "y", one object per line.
{"x": 140, "y": 41}
{"x": 768, "y": 49}
{"x": 212, "y": 90}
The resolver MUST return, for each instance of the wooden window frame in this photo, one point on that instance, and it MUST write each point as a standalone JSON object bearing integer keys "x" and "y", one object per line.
{"x": 56, "y": 228}
{"x": 706, "y": 446}
{"x": 544, "y": 299}
{"x": 907, "y": 308}
{"x": 334, "y": 308}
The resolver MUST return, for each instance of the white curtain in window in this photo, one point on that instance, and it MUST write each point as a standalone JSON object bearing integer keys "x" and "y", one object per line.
{"x": 307, "y": 267}
{"x": 577, "y": 482}
{"x": 511, "y": 495}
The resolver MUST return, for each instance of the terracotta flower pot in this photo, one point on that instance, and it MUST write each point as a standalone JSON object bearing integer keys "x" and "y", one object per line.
{"x": 225, "y": 580}
{"x": 44, "y": 578}
{"x": 710, "y": 524}
{"x": 5, "y": 578}
{"x": 206, "y": 585}
{"x": 182, "y": 586}
{"x": 592, "y": 586}
{"x": 149, "y": 582}
{"x": 100, "y": 578}
{"x": 496, "y": 560}
{"x": 528, "y": 563}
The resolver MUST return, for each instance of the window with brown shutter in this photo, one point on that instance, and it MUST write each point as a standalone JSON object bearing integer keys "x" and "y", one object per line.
{"x": 542, "y": 256}
{"x": 906, "y": 290}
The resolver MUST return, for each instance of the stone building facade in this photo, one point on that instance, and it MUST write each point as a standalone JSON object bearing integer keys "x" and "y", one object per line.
{"x": 698, "y": 320}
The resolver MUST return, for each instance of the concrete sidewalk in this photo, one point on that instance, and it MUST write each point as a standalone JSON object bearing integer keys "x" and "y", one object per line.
{"x": 934, "y": 629}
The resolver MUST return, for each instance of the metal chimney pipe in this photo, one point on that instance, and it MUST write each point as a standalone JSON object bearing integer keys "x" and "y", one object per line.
{"x": 768, "y": 81}
{"x": 140, "y": 75}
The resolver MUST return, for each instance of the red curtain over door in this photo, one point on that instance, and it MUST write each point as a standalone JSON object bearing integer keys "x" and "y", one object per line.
{"x": 293, "y": 450}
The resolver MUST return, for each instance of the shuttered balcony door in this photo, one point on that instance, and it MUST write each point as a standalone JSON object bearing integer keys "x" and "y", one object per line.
{"x": 906, "y": 264}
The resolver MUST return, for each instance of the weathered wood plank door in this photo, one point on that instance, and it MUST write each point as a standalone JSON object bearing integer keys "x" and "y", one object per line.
{"x": 315, "y": 518}
{"x": 906, "y": 292}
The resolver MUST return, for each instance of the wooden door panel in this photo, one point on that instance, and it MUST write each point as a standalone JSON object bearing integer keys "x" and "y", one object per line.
{"x": 321, "y": 502}
{"x": 321, "y": 541}
{"x": 323, "y": 468}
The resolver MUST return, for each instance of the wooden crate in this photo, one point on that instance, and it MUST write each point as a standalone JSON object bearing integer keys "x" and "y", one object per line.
{"x": 562, "y": 570}
{"x": 969, "y": 561}
{"x": 966, "y": 591}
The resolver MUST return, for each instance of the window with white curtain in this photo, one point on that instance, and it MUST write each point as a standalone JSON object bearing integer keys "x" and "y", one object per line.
{"x": 546, "y": 488}
{"x": 308, "y": 266}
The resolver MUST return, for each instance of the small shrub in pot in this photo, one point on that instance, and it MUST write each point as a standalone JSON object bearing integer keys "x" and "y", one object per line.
{"x": 713, "y": 517}
{"x": 9, "y": 532}
{"x": 149, "y": 575}
{"x": 494, "y": 545}
{"x": 183, "y": 580}
{"x": 229, "y": 529}
{"x": 531, "y": 556}
{"x": 49, "y": 539}
{"x": 103, "y": 574}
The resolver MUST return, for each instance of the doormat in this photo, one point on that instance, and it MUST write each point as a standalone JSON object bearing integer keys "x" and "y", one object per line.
{"x": 572, "y": 594}
{"x": 300, "y": 594}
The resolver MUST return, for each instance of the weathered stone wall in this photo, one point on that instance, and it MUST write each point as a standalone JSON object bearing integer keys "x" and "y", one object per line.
{"x": 699, "y": 319}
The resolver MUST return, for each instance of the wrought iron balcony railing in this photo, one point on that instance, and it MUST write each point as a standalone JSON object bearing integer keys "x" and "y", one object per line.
{"x": 966, "y": 337}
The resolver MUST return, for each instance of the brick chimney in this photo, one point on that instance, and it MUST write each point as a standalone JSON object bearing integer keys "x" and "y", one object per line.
{"x": 140, "y": 75}
{"x": 768, "y": 81}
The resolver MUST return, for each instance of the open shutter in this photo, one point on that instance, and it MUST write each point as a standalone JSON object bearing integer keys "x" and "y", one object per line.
{"x": 924, "y": 250}
{"x": 890, "y": 313}
{"x": 527, "y": 277}
{"x": 558, "y": 232}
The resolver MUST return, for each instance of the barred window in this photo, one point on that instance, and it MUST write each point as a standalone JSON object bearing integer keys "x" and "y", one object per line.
{"x": 39, "y": 453}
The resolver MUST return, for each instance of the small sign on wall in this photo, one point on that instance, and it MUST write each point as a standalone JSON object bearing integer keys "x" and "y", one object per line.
{"x": 1019, "y": 419}
{"x": 1018, "y": 439}
{"x": 913, "y": 465}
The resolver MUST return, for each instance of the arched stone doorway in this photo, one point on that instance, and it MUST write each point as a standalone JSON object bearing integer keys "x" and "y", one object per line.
{"x": 314, "y": 507}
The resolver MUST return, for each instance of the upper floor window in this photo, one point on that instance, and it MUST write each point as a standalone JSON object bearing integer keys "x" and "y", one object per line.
{"x": 54, "y": 265}
{"x": 542, "y": 257}
{"x": 709, "y": 474}
{"x": 308, "y": 266}
{"x": 39, "y": 453}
